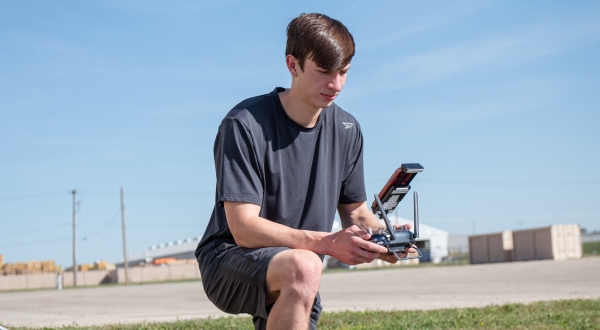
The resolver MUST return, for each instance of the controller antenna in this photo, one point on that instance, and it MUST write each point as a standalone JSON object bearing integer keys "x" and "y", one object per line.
{"x": 389, "y": 226}
{"x": 416, "y": 214}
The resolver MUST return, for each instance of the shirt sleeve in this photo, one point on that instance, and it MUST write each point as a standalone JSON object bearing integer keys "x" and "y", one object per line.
{"x": 238, "y": 172}
{"x": 353, "y": 184}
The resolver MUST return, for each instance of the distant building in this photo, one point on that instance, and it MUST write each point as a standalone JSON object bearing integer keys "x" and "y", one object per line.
{"x": 590, "y": 237}
{"x": 181, "y": 249}
{"x": 458, "y": 243}
{"x": 432, "y": 242}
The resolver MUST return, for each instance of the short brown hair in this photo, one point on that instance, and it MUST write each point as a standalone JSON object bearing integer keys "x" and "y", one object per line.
{"x": 321, "y": 38}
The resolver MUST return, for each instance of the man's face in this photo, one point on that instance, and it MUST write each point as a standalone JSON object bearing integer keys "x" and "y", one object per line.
{"x": 319, "y": 87}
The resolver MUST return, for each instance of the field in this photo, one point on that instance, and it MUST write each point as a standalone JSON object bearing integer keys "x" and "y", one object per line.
{"x": 591, "y": 248}
{"x": 564, "y": 314}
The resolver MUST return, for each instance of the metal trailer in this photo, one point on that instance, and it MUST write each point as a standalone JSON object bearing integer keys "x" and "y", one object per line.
{"x": 557, "y": 242}
{"x": 496, "y": 247}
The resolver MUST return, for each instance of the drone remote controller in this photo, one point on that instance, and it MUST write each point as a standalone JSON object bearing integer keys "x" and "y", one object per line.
{"x": 397, "y": 241}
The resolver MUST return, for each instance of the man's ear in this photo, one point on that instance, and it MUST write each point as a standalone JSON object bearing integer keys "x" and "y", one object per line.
{"x": 292, "y": 65}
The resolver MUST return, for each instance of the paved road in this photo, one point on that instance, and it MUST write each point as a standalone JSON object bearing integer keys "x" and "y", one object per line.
{"x": 388, "y": 289}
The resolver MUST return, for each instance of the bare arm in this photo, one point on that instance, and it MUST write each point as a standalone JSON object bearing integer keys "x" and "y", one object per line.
{"x": 358, "y": 214}
{"x": 252, "y": 231}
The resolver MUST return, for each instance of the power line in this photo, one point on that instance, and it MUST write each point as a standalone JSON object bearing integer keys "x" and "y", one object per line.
{"x": 31, "y": 196}
{"x": 164, "y": 224}
{"x": 193, "y": 193}
{"x": 95, "y": 232}
{"x": 17, "y": 233}
{"x": 152, "y": 193}
{"x": 201, "y": 193}
{"x": 515, "y": 183}
{"x": 519, "y": 217}
{"x": 101, "y": 230}
{"x": 84, "y": 192}
{"x": 37, "y": 242}
{"x": 502, "y": 183}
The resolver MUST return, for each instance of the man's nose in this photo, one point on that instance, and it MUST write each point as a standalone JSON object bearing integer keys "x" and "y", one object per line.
{"x": 337, "y": 83}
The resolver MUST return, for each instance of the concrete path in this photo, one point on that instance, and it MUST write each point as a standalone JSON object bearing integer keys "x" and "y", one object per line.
{"x": 387, "y": 289}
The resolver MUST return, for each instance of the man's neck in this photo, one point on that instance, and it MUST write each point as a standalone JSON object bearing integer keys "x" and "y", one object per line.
{"x": 298, "y": 111}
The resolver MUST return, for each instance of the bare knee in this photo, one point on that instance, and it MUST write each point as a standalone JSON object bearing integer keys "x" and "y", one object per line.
{"x": 296, "y": 273}
{"x": 305, "y": 267}
{"x": 304, "y": 276}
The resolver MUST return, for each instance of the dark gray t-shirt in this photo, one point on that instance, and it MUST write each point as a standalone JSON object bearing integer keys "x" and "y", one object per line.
{"x": 297, "y": 175}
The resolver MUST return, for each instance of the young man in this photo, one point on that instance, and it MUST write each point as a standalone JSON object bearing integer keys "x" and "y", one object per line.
{"x": 285, "y": 161}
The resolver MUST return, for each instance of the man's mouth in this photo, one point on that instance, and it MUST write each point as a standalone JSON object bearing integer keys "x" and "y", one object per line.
{"x": 329, "y": 97}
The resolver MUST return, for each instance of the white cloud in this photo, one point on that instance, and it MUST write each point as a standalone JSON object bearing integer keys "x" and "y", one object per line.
{"x": 490, "y": 54}
{"x": 421, "y": 22}
{"x": 499, "y": 100}
{"x": 350, "y": 9}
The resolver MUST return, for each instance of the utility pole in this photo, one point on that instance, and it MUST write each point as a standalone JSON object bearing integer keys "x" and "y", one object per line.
{"x": 124, "y": 238}
{"x": 74, "y": 238}
{"x": 474, "y": 227}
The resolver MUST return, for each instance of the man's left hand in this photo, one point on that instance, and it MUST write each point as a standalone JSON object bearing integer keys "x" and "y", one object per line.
{"x": 391, "y": 258}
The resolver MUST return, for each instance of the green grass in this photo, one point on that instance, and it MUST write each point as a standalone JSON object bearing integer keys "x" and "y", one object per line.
{"x": 564, "y": 314}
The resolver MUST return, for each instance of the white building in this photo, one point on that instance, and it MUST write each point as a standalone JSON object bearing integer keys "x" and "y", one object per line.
{"x": 432, "y": 242}
{"x": 181, "y": 249}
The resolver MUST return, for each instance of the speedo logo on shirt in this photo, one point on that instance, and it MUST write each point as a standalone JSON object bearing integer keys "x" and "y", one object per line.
{"x": 347, "y": 125}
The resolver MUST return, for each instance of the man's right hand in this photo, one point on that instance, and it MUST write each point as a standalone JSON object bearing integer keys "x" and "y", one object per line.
{"x": 351, "y": 246}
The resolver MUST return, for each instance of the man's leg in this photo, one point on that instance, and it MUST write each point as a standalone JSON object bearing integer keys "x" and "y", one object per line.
{"x": 234, "y": 278}
{"x": 292, "y": 283}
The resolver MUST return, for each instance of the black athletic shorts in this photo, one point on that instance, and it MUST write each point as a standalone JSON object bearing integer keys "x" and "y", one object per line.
{"x": 234, "y": 280}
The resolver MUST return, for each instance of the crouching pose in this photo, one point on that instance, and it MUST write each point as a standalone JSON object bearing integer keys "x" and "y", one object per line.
{"x": 285, "y": 162}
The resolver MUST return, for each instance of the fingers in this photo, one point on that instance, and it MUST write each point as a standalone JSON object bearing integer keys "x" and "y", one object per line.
{"x": 359, "y": 232}
{"x": 389, "y": 258}
{"x": 369, "y": 246}
{"x": 370, "y": 250}
{"x": 362, "y": 256}
{"x": 364, "y": 243}
{"x": 365, "y": 256}
{"x": 402, "y": 255}
{"x": 406, "y": 226}
{"x": 357, "y": 247}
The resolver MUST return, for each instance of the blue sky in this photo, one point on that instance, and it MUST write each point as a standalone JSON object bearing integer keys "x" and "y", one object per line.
{"x": 498, "y": 100}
